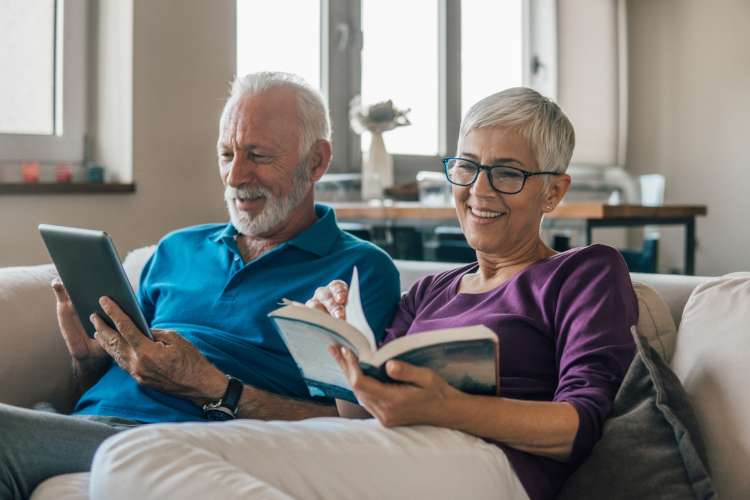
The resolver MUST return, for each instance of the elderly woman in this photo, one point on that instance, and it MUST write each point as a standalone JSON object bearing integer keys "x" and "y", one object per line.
{"x": 562, "y": 320}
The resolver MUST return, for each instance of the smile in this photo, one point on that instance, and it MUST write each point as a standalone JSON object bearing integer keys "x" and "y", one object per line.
{"x": 243, "y": 199}
{"x": 485, "y": 214}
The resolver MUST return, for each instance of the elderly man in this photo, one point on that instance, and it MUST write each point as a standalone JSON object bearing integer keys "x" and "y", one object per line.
{"x": 206, "y": 292}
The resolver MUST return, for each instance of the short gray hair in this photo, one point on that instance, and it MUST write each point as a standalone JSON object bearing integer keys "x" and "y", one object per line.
{"x": 312, "y": 111}
{"x": 536, "y": 118}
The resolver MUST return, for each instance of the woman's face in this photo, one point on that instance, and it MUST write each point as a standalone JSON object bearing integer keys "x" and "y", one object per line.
{"x": 497, "y": 223}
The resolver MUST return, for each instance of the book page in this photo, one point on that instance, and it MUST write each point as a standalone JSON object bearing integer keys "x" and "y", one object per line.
{"x": 355, "y": 315}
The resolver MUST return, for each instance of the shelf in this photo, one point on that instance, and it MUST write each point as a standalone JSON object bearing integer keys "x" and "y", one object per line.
{"x": 66, "y": 188}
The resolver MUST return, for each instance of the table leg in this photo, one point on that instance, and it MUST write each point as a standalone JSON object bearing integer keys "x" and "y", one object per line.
{"x": 690, "y": 246}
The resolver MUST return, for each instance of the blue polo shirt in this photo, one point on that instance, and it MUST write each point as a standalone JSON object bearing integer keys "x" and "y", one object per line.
{"x": 197, "y": 284}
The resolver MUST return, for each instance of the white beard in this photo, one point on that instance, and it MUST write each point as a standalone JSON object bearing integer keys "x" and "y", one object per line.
{"x": 275, "y": 210}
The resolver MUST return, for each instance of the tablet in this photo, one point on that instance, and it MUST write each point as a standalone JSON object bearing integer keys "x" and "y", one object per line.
{"x": 89, "y": 267}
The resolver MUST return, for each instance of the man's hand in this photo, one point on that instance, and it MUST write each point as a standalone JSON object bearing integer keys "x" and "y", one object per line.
{"x": 82, "y": 348}
{"x": 331, "y": 299}
{"x": 170, "y": 364}
{"x": 424, "y": 398}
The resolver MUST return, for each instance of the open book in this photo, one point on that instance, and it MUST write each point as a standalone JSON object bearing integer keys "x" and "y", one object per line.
{"x": 465, "y": 357}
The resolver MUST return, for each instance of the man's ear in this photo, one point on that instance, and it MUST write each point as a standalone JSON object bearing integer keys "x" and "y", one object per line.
{"x": 320, "y": 159}
{"x": 556, "y": 189}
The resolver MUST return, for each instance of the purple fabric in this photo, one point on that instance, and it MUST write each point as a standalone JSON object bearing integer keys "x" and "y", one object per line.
{"x": 564, "y": 329}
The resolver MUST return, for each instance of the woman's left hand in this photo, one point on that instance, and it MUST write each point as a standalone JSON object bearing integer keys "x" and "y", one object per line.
{"x": 424, "y": 398}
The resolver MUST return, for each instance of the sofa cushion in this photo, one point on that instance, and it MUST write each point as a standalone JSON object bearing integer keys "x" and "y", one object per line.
{"x": 134, "y": 262}
{"x": 711, "y": 359}
{"x": 34, "y": 363}
{"x": 651, "y": 446}
{"x": 63, "y": 487}
{"x": 655, "y": 320}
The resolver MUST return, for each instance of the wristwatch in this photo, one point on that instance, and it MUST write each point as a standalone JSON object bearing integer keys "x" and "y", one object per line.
{"x": 226, "y": 407}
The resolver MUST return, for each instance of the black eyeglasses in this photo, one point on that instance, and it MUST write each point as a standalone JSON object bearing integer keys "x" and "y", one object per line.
{"x": 503, "y": 179}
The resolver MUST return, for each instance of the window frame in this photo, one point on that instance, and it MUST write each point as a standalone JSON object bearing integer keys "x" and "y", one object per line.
{"x": 341, "y": 66}
{"x": 67, "y": 145}
{"x": 341, "y": 43}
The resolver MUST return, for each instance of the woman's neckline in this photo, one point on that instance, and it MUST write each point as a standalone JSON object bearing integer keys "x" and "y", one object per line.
{"x": 474, "y": 267}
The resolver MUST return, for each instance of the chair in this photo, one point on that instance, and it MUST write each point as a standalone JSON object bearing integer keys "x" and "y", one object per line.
{"x": 361, "y": 231}
{"x": 449, "y": 245}
{"x": 644, "y": 261}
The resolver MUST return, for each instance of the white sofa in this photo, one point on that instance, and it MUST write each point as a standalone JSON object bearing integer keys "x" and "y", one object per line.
{"x": 34, "y": 365}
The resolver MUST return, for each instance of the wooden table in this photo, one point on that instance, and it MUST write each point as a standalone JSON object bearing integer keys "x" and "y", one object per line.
{"x": 592, "y": 214}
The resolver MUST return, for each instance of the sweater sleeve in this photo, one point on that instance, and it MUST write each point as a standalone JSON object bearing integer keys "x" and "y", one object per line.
{"x": 596, "y": 306}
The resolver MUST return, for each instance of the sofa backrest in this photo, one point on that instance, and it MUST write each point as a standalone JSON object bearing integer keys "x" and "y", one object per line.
{"x": 35, "y": 366}
{"x": 661, "y": 299}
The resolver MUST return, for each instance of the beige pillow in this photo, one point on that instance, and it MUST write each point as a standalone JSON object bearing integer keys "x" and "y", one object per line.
{"x": 711, "y": 358}
{"x": 655, "y": 321}
{"x": 134, "y": 262}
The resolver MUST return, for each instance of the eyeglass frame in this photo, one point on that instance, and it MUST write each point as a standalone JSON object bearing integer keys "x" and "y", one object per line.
{"x": 488, "y": 169}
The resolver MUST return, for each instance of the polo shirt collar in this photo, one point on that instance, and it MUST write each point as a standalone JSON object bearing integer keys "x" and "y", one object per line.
{"x": 318, "y": 238}
{"x": 225, "y": 233}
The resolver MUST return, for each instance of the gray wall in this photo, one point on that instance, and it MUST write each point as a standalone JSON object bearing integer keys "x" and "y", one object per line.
{"x": 182, "y": 62}
{"x": 690, "y": 118}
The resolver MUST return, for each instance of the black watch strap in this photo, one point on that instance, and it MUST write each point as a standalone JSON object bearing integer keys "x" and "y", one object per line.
{"x": 231, "y": 398}
{"x": 226, "y": 407}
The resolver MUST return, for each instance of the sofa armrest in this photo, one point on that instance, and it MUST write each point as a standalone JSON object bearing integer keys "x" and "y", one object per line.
{"x": 34, "y": 363}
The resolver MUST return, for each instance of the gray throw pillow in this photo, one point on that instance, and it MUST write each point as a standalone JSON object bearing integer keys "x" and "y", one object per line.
{"x": 651, "y": 447}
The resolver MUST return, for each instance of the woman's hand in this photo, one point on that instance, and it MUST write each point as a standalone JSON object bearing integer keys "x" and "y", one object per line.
{"x": 424, "y": 398}
{"x": 331, "y": 299}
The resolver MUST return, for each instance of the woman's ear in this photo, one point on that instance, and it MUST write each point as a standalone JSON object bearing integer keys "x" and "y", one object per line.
{"x": 320, "y": 159}
{"x": 556, "y": 189}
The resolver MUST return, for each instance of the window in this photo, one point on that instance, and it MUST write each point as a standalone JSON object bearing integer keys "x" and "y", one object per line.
{"x": 436, "y": 57}
{"x": 269, "y": 39}
{"x": 42, "y": 53}
{"x": 404, "y": 72}
{"x": 491, "y": 48}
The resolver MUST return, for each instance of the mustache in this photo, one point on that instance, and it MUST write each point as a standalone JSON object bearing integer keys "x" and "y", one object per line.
{"x": 230, "y": 193}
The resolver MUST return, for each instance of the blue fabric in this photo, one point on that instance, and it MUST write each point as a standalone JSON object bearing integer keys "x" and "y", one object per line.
{"x": 197, "y": 284}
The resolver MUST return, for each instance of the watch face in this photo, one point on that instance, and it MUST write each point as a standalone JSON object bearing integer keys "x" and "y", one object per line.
{"x": 220, "y": 414}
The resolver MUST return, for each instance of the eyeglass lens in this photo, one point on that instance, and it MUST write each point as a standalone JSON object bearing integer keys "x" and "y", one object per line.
{"x": 503, "y": 179}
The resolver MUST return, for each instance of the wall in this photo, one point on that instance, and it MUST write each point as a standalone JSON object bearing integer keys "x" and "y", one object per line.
{"x": 182, "y": 61}
{"x": 689, "y": 111}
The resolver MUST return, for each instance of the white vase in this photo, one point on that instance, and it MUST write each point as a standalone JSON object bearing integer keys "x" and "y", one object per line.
{"x": 377, "y": 169}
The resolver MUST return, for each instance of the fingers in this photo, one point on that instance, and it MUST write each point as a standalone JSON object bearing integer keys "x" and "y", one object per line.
{"x": 314, "y": 304}
{"x": 331, "y": 299}
{"x": 61, "y": 294}
{"x": 340, "y": 291}
{"x": 365, "y": 387}
{"x": 167, "y": 336}
{"x": 405, "y": 372}
{"x": 109, "y": 339}
{"x": 122, "y": 321}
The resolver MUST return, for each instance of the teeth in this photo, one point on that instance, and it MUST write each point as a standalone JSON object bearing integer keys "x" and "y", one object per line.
{"x": 485, "y": 214}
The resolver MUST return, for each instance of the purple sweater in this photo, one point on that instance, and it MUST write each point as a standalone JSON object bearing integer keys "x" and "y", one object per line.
{"x": 564, "y": 330}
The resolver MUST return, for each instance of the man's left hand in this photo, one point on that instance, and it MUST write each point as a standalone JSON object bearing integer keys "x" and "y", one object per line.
{"x": 424, "y": 397}
{"x": 170, "y": 363}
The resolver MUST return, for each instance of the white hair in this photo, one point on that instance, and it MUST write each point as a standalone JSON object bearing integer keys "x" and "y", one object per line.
{"x": 312, "y": 111}
{"x": 535, "y": 117}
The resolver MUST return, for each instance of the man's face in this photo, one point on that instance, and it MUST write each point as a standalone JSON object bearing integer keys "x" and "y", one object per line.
{"x": 259, "y": 161}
